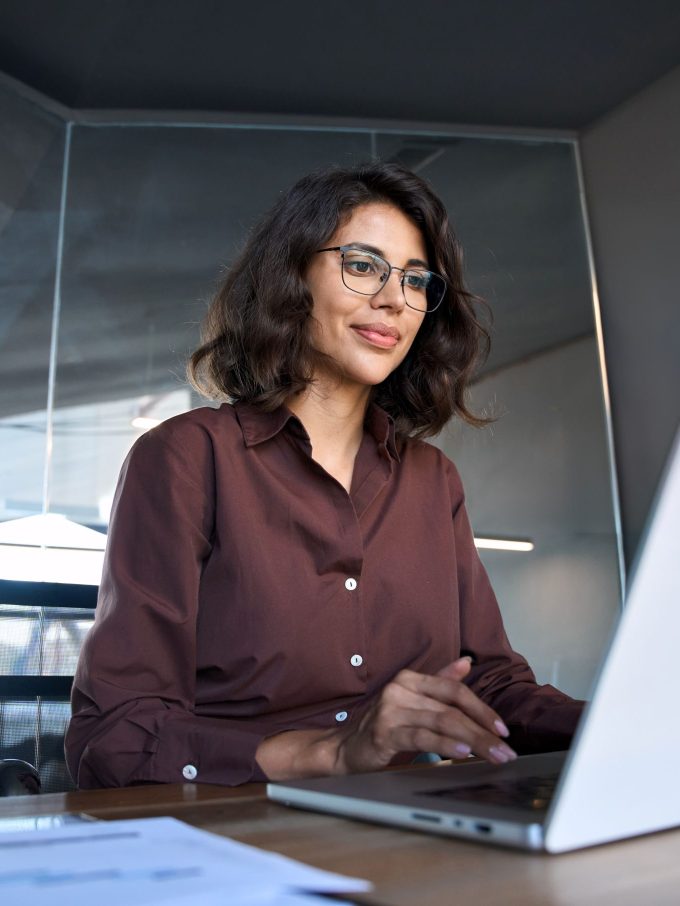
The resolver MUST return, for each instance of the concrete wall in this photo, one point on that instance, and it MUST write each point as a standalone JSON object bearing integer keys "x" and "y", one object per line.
{"x": 631, "y": 161}
{"x": 541, "y": 472}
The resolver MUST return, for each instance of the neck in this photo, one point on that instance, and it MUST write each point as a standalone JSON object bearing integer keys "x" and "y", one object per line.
{"x": 334, "y": 420}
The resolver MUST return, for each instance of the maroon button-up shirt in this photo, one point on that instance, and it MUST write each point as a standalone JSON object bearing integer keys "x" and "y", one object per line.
{"x": 245, "y": 593}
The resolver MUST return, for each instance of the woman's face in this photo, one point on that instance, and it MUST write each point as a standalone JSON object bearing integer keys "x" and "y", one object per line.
{"x": 367, "y": 337}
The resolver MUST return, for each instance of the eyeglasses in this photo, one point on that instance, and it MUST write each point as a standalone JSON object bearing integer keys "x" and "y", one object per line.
{"x": 367, "y": 273}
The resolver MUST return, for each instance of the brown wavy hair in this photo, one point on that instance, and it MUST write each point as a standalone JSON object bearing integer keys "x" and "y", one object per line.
{"x": 255, "y": 339}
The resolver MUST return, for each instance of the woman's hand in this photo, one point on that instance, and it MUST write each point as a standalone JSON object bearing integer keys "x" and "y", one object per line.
{"x": 420, "y": 713}
{"x": 415, "y": 712}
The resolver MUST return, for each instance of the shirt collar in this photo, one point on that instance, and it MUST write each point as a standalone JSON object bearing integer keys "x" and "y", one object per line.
{"x": 381, "y": 425}
{"x": 259, "y": 426}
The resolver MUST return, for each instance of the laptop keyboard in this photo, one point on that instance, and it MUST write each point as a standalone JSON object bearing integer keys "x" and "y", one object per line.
{"x": 520, "y": 792}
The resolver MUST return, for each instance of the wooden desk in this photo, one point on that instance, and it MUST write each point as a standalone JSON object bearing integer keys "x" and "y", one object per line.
{"x": 407, "y": 868}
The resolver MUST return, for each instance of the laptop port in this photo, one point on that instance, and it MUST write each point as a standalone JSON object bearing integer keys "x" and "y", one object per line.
{"x": 423, "y": 816}
{"x": 483, "y": 828}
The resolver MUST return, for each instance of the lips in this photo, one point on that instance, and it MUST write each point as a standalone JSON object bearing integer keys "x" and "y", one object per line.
{"x": 378, "y": 334}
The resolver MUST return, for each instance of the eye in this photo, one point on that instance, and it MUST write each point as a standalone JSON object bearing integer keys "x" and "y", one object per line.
{"x": 416, "y": 280}
{"x": 361, "y": 265}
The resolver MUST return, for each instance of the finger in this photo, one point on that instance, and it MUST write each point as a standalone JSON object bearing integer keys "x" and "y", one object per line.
{"x": 414, "y": 730}
{"x": 409, "y": 739}
{"x": 463, "y": 736}
{"x": 457, "y": 669}
{"x": 453, "y": 692}
{"x": 397, "y": 696}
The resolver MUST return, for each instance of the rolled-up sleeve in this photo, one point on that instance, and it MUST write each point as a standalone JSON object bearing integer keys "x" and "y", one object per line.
{"x": 133, "y": 698}
{"x": 540, "y": 718}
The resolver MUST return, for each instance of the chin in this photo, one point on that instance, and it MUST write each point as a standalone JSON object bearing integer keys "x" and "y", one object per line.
{"x": 363, "y": 373}
{"x": 372, "y": 379}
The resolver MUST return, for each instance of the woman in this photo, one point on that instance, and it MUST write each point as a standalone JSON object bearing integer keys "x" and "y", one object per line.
{"x": 291, "y": 586}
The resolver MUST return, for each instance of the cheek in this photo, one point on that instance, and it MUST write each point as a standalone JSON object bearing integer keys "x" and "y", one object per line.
{"x": 315, "y": 333}
{"x": 328, "y": 313}
{"x": 322, "y": 327}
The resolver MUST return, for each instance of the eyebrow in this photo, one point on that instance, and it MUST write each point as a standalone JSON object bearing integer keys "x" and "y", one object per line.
{"x": 412, "y": 262}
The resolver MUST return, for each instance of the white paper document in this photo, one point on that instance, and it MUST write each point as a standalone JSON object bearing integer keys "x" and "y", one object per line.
{"x": 153, "y": 860}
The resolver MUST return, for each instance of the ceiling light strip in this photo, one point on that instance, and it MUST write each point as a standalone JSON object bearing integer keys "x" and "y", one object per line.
{"x": 504, "y": 544}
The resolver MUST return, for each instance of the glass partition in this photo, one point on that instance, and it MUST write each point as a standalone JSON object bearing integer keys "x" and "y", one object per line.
{"x": 31, "y": 167}
{"x": 153, "y": 214}
{"x": 540, "y": 473}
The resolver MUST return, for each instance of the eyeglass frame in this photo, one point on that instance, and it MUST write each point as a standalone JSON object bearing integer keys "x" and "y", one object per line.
{"x": 392, "y": 267}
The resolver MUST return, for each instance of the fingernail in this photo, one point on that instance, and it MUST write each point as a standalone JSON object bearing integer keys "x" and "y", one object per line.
{"x": 497, "y": 754}
{"x": 462, "y": 748}
{"x": 502, "y": 729}
{"x": 502, "y": 753}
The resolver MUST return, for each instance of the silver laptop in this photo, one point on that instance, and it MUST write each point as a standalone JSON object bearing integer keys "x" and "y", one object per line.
{"x": 621, "y": 776}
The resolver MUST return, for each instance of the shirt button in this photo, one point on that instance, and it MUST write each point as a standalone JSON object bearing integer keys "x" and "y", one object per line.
{"x": 340, "y": 716}
{"x": 189, "y": 772}
{"x": 356, "y": 660}
{"x": 350, "y": 584}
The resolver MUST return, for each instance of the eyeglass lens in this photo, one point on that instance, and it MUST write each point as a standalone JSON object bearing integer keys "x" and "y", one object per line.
{"x": 366, "y": 273}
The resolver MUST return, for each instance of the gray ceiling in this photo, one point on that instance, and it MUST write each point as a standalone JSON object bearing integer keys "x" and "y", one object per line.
{"x": 536, "y": 63}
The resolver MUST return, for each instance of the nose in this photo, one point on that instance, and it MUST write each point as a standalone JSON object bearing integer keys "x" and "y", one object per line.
{"x": 391, "y": 295}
